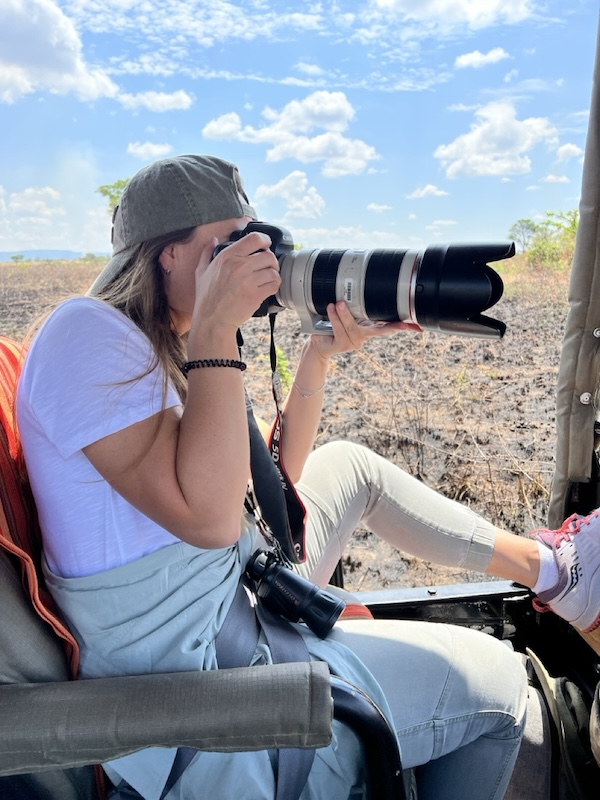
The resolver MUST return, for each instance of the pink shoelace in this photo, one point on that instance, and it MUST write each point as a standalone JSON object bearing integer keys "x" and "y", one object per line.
{"x": 570, "y": 527}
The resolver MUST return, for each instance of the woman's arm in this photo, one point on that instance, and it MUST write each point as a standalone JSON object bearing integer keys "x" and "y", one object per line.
{"x": 188, "y": 471}
{"x": 302, "y": 409}
{"x": 176, "y": 468}
{"x": 304, "y": 403}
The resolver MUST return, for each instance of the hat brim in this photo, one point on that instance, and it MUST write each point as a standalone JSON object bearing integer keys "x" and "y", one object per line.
{"x": 115, "y": 266}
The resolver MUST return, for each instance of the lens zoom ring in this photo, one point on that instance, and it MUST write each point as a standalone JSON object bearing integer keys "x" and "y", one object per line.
{"x": 323, "y": 279}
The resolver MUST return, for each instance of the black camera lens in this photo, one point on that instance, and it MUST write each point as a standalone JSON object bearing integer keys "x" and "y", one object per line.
{"x": 442, "y": 288}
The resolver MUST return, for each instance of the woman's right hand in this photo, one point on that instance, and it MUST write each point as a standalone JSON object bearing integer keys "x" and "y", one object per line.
{"x": 234, "y": 284}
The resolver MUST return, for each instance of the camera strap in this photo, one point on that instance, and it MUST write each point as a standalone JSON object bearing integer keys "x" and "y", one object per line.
{"x": 235, "y": 646}
{"x": 295, "y": 507}
{"x": 273, "y": 499}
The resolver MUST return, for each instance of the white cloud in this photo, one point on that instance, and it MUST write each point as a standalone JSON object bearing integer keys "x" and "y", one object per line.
{"x": 556, "y": 179}
{"x": 568, "y": 151}
{"x": 476, "y": 59}
{"x": 88, "y": 225}
{"x": 344, "y": 237}
{"x": 93, "y": 231}
{"x": 36, "y": 202}
{"x": 157, "y": 101}
{"x": 528, "y": 86}
{"x": 286, "y": 133}
{"x": 182, "y": 22}
{"x": 148, "y": 150}
{"x": 66, "y": 213}
{"x": 194, "y": 38}
{"x": 329, "y": 110}
{"x": 227, "y": 126}
{"x": 378, "y": 208}
{"x": 439, "y": 226}
{"x": 474, "y": 13}
{"x": 30, "y": 216}
{"x": 14, "y": 83}
{"x": 429, "y": 190}
{"x": 302, "y": 201}
{"x": 497, "y": 144}
{"x": 341, "y": 156}
{"x": 40, "y": 50}
{"x": 462, "y": 107}
{"x": 309, "y": 69}
{"x": 155, "y": 63}
{"x": 581, "y": 116}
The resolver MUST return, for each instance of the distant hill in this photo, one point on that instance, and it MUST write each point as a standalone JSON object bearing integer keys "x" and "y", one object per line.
{"x": 39, "y": 255}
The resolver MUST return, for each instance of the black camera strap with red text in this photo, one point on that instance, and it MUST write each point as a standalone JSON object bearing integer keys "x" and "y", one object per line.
{"x": 279, "y": 504}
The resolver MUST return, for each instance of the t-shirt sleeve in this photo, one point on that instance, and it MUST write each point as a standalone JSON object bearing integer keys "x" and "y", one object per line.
{"x": 91, "y": 372}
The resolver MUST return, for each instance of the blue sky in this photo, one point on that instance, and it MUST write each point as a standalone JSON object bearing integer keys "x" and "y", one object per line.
{"x": 378, "y": 123}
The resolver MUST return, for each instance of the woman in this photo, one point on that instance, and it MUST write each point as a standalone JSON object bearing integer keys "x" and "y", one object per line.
{"x": 140, "y": 476}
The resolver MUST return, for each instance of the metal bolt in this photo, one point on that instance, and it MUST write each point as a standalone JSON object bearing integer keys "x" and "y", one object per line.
{"x": 585, "y": 398}
{"x": 597, "y": 333}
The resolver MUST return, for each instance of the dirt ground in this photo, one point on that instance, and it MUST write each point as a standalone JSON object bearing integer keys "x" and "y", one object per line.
{"x": 474, "y": 419}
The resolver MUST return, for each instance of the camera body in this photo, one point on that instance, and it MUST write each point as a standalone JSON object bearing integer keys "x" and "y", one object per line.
{"x": 443, "y": 287}
{"x": 289, "y": 594}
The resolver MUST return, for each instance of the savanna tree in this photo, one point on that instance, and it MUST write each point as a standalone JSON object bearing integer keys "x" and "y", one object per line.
{"x": 112, "y": 192}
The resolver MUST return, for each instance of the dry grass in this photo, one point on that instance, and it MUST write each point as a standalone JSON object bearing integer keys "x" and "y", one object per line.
{"x": 30, "y": 288}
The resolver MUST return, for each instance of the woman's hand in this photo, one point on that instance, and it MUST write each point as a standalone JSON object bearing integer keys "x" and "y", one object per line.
{"x": 348, "y": 334}
{"x": 233, "y": 285}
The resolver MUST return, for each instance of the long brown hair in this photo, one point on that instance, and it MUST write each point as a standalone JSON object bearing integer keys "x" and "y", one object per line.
{"x": 139, "y": 293}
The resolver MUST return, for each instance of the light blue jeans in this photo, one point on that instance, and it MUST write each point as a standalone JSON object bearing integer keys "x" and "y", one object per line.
{"x": 458, "y": 696}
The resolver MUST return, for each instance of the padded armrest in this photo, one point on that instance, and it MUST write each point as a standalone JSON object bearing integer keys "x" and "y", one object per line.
{"x": 49, "y": 725}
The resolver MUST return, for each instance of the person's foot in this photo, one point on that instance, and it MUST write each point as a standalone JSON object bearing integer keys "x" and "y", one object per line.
{"x": 576, "y": 548}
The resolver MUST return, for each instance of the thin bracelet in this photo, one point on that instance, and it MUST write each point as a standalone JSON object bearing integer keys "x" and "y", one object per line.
{"x": 212, "y": 362}
{"x": 306, "y": 392}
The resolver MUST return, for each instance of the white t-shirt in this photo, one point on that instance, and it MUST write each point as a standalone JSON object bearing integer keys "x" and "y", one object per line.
{"x": 76, "y": 388}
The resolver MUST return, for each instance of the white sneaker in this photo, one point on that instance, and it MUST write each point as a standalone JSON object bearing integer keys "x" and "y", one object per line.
{"x": 576, "y": 547}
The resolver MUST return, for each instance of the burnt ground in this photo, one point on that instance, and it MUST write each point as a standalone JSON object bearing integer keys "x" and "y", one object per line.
{"x": 475, "y": 419}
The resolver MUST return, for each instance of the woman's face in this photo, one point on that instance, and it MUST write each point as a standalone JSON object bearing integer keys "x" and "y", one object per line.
{"x": 182, "y": 259}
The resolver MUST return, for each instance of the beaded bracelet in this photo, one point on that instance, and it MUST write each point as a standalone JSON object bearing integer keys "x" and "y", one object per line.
{"x": 212, "y": 362}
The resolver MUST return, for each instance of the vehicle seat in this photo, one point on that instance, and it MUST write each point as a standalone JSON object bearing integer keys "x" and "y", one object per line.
{"x": 31, "y": 653}
{"x": 30, "y": 643}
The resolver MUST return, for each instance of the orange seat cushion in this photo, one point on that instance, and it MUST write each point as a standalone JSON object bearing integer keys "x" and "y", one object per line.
{"x": 19, "y": 527}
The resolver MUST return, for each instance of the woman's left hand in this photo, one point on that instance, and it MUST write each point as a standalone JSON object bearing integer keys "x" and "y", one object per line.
{"x": 349, "y": 334}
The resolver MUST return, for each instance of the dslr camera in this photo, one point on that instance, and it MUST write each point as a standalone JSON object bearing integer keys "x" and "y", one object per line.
{"x": 443, "y": 287}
